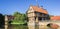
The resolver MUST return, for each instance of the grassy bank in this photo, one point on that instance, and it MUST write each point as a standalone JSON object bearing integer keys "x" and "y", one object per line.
{"x": 18, "y": 23}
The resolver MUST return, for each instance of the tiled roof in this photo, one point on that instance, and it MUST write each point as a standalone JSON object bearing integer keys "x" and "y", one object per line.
{"x": 10, "y": 17}
{"x": 39, "y": 9}
{"x": 55, "y": 18}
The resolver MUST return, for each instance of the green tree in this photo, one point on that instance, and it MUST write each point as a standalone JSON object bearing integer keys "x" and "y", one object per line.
{"x": 19, "y": 18}
{"x": 1, "y": 20}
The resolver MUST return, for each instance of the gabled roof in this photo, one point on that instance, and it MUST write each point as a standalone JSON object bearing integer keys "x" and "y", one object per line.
{"x": 10, "y": 17}
{"x": 55, "y": 18}
{"x": 39, "y": 9}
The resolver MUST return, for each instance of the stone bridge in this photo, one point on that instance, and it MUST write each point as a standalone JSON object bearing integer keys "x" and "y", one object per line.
{"x": 42, "y": 24}
{"x": 46, "y": 22}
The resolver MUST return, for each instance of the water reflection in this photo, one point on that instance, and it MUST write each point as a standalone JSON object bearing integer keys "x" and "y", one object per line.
{"x": 22, "y": 27}
{"x": 17, "y": 27}
{"x": 25, "y": 27}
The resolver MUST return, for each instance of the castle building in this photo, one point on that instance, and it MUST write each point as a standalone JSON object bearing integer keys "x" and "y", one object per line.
{"x": 55, "y": 18}
{"x": 36, "y": 14}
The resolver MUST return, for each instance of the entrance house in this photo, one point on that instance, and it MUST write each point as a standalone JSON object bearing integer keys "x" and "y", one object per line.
{"x": 36, "y": 14}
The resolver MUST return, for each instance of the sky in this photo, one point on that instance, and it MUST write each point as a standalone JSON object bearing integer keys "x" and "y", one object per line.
{"x": 10, "y": 6}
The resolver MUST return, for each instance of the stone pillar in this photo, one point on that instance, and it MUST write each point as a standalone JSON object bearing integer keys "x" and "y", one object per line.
{"x": 36, "y": 19}
{"x": 42, "y": 19}
{"x": 31, "y": 23}
{"x": 6, "y": 22}
{"x": 37, "y": 23}
{"x": 45, "y": 18}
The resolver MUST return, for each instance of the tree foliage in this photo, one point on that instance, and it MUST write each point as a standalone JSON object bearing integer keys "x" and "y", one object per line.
{"x": 1, "y": 20}
{"x": 19, "y": 18}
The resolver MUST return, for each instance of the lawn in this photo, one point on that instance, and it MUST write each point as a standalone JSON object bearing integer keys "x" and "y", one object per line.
{"x": 18, "y": 22}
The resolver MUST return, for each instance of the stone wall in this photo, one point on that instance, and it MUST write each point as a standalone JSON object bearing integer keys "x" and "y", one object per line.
{"x": 42, "y": 24}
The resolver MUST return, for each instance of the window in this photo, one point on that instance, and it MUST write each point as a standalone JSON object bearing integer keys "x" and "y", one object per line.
{"x": 40, "y": 18}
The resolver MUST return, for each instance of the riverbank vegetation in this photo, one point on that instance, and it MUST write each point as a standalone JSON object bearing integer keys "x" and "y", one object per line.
{"x": 19, "y": 18}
